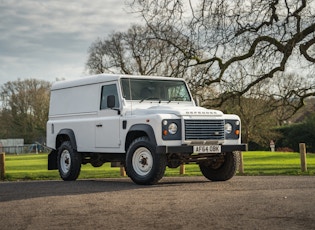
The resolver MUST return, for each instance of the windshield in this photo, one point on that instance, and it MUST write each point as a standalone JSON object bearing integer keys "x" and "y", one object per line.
{"x": 159, "y": 90}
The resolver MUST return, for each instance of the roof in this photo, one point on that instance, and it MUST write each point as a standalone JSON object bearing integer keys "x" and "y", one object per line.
{"x": 95, "y": 79}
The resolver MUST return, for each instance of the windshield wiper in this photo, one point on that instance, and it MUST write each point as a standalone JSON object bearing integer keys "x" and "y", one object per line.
{"x": 151, "y": 98}
{"x": 175, "y": 99}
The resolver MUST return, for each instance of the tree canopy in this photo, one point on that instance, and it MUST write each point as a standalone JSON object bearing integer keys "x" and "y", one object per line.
{"x": 24, "y": 111}
{"x": 238, "y": 44}
{"x": 135, "y": 52}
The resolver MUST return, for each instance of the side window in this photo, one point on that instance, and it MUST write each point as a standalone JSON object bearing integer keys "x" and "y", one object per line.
{"x": 106, "y": 91}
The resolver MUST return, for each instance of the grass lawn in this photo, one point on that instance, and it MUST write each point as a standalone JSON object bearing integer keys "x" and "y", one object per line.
{"x": 276, "y": 163}
{"x": 34, "y": 166}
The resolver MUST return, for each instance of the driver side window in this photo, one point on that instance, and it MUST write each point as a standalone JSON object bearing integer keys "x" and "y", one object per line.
{"x": 106, "y": 91}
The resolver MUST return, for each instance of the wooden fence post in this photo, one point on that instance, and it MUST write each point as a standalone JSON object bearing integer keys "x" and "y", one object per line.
{"x": 303, "y": 157}
{"x": 2, "y": 166}
{"x": 241, "y": 165}
{"x": 182, "y": 169}
{"x": 122, "y": 171}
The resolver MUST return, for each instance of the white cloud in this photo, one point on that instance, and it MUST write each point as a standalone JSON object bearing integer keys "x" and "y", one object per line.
{"x": 50, "y": 39}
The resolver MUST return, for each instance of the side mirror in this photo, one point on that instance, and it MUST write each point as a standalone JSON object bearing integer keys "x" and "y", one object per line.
{"x": 110, "y": 101}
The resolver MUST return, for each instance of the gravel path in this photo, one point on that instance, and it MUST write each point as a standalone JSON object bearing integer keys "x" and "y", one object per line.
{"x": 280, "y": 202}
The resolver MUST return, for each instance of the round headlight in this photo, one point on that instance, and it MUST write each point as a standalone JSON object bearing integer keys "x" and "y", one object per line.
{"x": 228, "y": 128}
{"x": 172, "y": 128}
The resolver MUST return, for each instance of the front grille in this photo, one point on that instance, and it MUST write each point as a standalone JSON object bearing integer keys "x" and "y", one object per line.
{"x": 204, "y": 129}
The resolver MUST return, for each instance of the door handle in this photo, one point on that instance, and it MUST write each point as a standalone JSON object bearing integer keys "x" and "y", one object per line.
{"x": 99, "y": 125}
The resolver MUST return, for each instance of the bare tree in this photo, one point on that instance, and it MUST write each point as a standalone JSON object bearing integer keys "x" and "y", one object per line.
{"x": 135, "y": 52}
{"x": 229, "y": 38}
{"x": 258, "y": 119}
{"x": 24, "y": 110}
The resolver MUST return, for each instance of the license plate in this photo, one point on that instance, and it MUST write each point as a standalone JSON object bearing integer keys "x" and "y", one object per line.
{"x": 207, "y": 149}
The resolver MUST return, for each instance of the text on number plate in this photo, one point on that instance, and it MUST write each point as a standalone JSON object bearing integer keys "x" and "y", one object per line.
{"x": 207, "y": 149}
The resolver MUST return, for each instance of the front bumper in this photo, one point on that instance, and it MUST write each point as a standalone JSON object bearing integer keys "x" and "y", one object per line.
{"x": 189, "y": 149}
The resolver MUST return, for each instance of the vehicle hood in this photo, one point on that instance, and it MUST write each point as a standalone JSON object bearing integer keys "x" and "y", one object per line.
{"x": 176, "y": 110}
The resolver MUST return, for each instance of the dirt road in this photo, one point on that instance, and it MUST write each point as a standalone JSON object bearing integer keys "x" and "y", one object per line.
{"x": 282, "y": 202}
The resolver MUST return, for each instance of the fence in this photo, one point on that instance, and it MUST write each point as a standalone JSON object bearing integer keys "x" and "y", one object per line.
{"x": 31, "y": 148}
{"x": 40, "y": 148}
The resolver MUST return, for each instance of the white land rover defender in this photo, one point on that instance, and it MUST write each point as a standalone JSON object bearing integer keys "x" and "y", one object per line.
{"x": 143, "y": 123}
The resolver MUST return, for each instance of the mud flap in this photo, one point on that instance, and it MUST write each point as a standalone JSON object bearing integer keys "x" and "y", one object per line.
{"x": 52, "y": 160}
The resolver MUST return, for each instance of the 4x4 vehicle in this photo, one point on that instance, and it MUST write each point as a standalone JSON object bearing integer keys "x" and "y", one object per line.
{"x": 144, "y": 123}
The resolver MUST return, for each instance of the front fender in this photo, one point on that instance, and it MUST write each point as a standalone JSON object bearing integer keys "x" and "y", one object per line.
{"x": 146, "y": 129}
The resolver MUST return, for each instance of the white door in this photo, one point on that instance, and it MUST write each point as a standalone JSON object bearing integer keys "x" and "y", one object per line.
{"x": 108, "y": 125}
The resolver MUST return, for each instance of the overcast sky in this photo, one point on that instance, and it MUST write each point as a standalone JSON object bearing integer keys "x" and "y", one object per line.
{"x": 50, "y": 39}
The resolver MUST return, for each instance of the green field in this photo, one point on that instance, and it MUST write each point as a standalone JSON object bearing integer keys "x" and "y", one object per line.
{"x": 34, "y": 166}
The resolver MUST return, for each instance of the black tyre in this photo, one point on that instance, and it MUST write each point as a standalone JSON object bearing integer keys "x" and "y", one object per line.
{"x": 143, "y": 165}
{"x": 69, "y": 162}
{"x": 221, "y": 169}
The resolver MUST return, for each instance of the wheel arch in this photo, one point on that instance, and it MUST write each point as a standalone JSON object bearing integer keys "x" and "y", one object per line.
{"x": 62, "y": 136}
{"x": 139, "y": 130}
{"x": 66, "y": 135}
